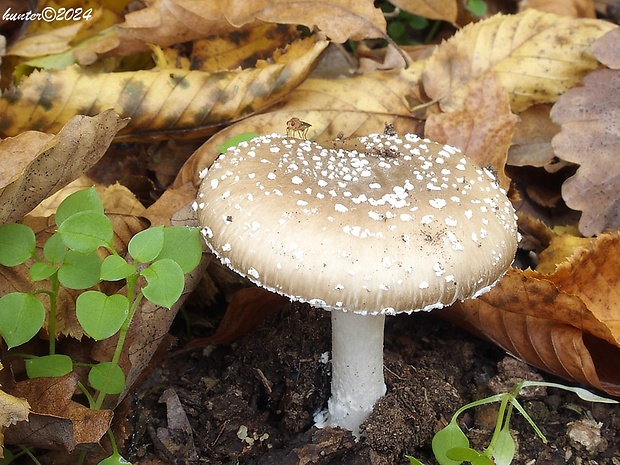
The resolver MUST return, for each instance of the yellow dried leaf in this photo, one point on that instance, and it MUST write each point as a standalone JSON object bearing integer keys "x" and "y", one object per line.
{"x": 483, "y": 129}
{"x": 537, "y": 56}
{"x": 46, "y": 42}
{"x": 160, "y": 101}
{"x": 575, "y": 8}
{"x": 12, "y": 410}
{"x": 48, "y": 163}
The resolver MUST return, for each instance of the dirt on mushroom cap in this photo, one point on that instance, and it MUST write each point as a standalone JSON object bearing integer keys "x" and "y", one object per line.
{"x": 403, "y": 225}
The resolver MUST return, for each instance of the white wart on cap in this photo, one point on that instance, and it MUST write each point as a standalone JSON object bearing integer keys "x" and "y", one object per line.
{"x": 398, "y": 225}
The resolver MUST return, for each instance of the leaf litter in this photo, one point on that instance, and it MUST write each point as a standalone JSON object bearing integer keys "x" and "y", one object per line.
{"x": 209, "y": 73}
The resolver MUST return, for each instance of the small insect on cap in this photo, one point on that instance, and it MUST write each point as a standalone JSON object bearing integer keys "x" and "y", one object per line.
{"x": 390, "y": 224}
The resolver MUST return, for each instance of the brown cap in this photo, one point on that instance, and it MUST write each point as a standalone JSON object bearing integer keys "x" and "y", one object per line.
{"x": 398, "y": 225}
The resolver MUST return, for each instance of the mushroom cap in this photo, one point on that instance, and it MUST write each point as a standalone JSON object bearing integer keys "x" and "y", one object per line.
{"x": 391, "y": 224}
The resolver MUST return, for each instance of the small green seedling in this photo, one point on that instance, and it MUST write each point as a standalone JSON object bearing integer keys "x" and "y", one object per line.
{"x": 451, "y": 446}
{"x": 236, "y": 140}
{"x": 79, "y": 256}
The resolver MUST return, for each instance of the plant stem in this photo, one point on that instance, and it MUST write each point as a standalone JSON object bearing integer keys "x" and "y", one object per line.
{"x": 51, "y": 326}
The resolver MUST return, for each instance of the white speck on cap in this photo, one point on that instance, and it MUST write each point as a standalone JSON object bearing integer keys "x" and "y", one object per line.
{"x": 358, "y": 230}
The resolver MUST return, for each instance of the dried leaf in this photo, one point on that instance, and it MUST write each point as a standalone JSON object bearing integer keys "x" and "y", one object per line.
{"x": 566, "y": 323}
{"x": 607, "y": 49}
{"x": 168, "y": 22}
{"x": 444, "y": 10}
{"x": 531, "y": 141}
{"x": 537, "y": 56}
{"x": 45, "y": 42}
{"x": 56, "y": 421}
{"x": 47, "y": 164}
{"x": 160, "y": 100}
{"x": 590, "y": 137}
{"x": 483, "y": 129}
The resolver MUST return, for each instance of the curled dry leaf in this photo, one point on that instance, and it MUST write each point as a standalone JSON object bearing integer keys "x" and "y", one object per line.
{"x": 537, "y": 56}
{"x": 161, "y": 101}
{"x": 531, "y": 141}
{"x": 56, "y": 421}
{"x": 44, "y": 164}
{"x": 566, "y": 323}
{"x": 590, "y": 137}
{"x": 483, "y": 129}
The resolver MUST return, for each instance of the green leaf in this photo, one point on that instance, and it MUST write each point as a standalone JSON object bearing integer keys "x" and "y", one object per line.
{"x": 80, "y": 201}
{"x": 86, "y": 231}
{"x": 54, "y": 249}
{"x": 183, "y": 245}
{"x": 147, "y": 244}
{"x": 101, "y": 315}
{"x": 107, "y": 378}
{"x": 21, "y": 317}
{"x": 80, "y": 271}
{"x": 17, "y": 244}
{"x": 466, "y": 454}
{"x": 236, "y": 140}
{"x": 115, "y": 268}
{"x": 41, "y": 270}
{"x": 165, "y": 282}
{"x": 504, "y": 448}
{"x": 49, "y": 366}
{"x": 413, "y": 460}
{"x": 114, "y": 459}
{"x": 447, "y": 439}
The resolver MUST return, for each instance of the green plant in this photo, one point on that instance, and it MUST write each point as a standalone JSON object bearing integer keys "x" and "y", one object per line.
{"x": 451, "y": 446}
{"x": 79, "y": 256}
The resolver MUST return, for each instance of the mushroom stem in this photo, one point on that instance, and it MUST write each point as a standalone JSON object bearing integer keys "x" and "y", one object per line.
{"x": 357, "y": 368}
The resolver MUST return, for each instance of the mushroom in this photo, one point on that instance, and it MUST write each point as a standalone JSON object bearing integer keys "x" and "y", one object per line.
{"x": 370, "y": 227}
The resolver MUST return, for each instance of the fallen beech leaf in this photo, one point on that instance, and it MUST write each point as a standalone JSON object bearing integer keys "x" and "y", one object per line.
{"x": 607, "y": 49}
{"x": 483, "y": 129}
{"x": 353, "y": 106}
{"x": 567, "y": 322}
{"x": 537, "y": 56}
{"x": 47, "y": 164}
{"x": 590, "y": 137}
{"x": 159, "y": 100}
{"x": 56, "y": 421}
{"x": 444, "y": 10}
{"x": 248, "y": 309}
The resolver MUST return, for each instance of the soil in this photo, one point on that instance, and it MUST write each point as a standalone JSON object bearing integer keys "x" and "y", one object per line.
{"x": 253, "y": 401}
